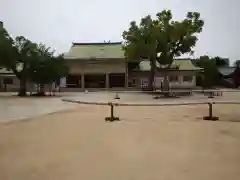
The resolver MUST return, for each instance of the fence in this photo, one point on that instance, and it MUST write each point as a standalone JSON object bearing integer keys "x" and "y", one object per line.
{"x": 112, "y": 105}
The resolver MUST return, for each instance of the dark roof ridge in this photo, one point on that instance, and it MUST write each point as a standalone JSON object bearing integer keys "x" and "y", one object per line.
{"x": 96, "y": 43}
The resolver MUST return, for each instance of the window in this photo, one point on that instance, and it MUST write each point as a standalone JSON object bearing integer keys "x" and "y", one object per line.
{"x": 187, "y": 78}
{"x": 73, "y": 81}
{"x": 144, "y": 83}
{"x": 132, "y": 82}
{"x": 173, "y": 78}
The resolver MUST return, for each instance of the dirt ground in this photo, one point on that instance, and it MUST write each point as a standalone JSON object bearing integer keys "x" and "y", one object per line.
{"x": 149, "y": 143}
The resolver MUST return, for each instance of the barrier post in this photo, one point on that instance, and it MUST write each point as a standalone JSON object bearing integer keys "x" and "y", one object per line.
{"x": 210, "y": 110}
{"x": 210, "y": 113}
{"x": 112, "y": 117}
{"x": 111, "y": 111}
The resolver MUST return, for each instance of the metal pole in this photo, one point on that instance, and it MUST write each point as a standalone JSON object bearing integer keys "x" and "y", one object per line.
{"x": 112, "y": 117}
{"x": 210, "y": 110}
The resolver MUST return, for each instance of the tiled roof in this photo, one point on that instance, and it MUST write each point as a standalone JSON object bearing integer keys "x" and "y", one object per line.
{"x": 5, "y": 71}
{"x": 112, "y": 50}
{"x": 180, "y": 64}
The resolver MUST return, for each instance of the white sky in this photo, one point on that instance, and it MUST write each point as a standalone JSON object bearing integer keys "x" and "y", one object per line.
{"x": 58, "y": 23}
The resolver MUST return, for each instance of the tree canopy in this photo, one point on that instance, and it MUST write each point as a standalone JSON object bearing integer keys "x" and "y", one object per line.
{"x": 220, "y": 62}
{"x": 210, "y": 71}
{"x": 162, "y": 36}
{"x": 162, "y": 39}
{"x": 48, "y": 71}
{"x": 7, "y": 50}
{"x": 237, "y": 63}
{"x": 30, "y": 61}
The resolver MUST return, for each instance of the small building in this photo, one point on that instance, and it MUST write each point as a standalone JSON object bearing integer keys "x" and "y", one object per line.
{"x": 96, "y": 65}
{"x": 181, "y": 75}
{"x": 8, "y": 80}
{"x": 102, "y": 65}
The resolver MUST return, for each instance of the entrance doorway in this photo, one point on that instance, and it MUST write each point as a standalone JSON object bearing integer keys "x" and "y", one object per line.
{"x": 73, "y": 81}
{"x": 116, "y": 80}
{"x": 95, "y": 80}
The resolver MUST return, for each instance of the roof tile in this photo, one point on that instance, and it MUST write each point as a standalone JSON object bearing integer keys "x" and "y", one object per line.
{"x": 183, "y": 65}
{"x": 95, "y": 51}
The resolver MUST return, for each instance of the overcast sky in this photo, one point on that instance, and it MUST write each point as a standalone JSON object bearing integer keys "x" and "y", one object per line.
{"x": 58, "y": 23}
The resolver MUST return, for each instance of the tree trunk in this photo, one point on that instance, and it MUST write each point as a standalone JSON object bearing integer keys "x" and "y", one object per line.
{"x": 152, "y": 75}
{"x": 23, "y": 87}
{"x": 165, "y": 81}
{"x": 151, "y": 80}
{"x": 166, "y": 84}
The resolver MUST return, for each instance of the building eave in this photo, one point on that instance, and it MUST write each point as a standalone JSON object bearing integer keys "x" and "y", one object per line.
{"x": 95, "y": 43}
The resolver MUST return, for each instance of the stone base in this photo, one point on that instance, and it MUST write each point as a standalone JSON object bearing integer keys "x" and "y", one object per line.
{"x": 213, "y": 118}
{"x": 111, "y": 119}
{"x": 116, "y": 96}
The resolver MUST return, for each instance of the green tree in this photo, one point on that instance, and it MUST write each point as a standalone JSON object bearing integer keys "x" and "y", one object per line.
{"x": 161, "y": 40}
{"x": 30, "y": 61}
{"x": 26, "y": 53}
{"x": 7, "y": 51}
{"x": 16, "y": 54}
{"x": 210, "y": 71}
{"x": 220, "y": 62}
{"x": 47, "y": 68}
{"x": 237, "y": 63}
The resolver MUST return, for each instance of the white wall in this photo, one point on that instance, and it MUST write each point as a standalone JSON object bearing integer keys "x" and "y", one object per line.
{"x": 174, "y": 84}
{"x": 183, "y": 84}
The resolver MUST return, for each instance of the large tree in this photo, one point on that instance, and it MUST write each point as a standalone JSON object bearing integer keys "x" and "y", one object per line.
{"x": 29, "y": 61}
{"x": 210, "y": 71}
{"x": 15, "y": 55}
{"x": 7, "y": 51}
{"x": 221, "y": 62}
{"x": 26, "y": 53}
{"x": 161, "y": 40}
{"x": 237, "y": 63}
{"x": 47, "y": 69}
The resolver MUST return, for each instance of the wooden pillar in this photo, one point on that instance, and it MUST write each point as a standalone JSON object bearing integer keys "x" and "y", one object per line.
{"x": 107, "y": 81}
{"x": 180, "y": 79}
{"x": 82, "y": 81}
{"x": 194, "y": 80}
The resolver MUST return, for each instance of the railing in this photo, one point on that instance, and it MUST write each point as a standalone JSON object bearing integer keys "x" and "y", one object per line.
{"x": 112, "y": 104}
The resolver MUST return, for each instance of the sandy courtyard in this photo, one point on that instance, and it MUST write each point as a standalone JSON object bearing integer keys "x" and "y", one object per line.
{"x": 149, "y": 143}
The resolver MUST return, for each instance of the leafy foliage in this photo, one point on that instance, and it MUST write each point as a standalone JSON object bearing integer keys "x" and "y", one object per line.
{"x": 48, "y": 70}
{"x": 237, "y": 63}
{"x": 38, "y": 63}
{"x": 161, "y": 39}
{"x": 220, "y": 62}
{"x": 7, "y": 51}
{"x": 162, "y": 36}
{"x": 210, "y": 73}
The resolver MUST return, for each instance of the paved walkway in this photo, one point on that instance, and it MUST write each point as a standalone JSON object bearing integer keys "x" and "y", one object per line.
{"x": 14, "y": 108}
{"x": 144, "y": 98}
